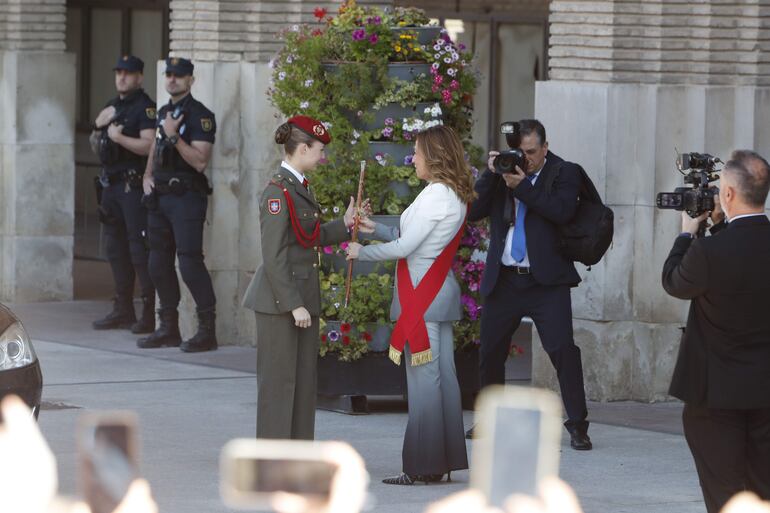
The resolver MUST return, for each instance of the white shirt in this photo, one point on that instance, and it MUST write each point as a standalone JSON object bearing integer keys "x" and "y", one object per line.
{"x": 507, "y": 259}
{"x": 296, "y": 173}
{"x": 745, "y": 215}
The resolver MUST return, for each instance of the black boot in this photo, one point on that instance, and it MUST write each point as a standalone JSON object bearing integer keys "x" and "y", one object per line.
{"x": 206, "y": 338}
{"x": 167, "y": 333}
{"x": 121, "y": 317}
{"x": 147, "y": 322}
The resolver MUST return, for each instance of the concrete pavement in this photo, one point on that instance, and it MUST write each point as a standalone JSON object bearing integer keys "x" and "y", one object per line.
{"x": 190, "y": 405}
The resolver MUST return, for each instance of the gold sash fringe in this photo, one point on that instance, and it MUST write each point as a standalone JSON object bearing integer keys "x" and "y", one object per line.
{"x": 395, "y": 355}
{"x": 422, "y": 358}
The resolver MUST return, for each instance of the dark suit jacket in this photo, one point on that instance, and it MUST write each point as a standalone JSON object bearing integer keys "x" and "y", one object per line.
{"x": 545, "y": 212}
{"x": 724, "y": 357}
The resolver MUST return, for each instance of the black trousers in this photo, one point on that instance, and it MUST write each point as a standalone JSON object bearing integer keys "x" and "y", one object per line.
{"x": 550, "y": 307}
{"x": 125, "y": 223}
{"x": 175, "y": 229}
{"x": 731, "y": 449}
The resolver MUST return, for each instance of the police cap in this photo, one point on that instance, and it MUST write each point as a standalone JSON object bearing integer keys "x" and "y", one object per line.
{"x": 179, "y": 66}
{"x": 129, "y": 63}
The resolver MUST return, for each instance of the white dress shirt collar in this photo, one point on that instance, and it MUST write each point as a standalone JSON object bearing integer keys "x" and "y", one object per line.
{"x": 300, "y": 177}
{"x": 745, "y": 215}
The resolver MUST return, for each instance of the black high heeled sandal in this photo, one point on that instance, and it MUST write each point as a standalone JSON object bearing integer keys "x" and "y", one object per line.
{"x": 402, "y": 479}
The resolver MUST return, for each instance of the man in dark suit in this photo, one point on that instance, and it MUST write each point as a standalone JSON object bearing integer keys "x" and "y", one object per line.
{"x": 723, "y": 370}
{"x": 525, "y": 275}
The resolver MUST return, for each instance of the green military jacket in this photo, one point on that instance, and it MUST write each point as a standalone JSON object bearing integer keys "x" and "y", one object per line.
{"x": 288, "y": 276}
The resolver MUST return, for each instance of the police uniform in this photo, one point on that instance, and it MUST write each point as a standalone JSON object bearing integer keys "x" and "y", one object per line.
{"x": 120, "y": 210}
{"x": 287, "y": 279}
{"x": 177, "y": 213}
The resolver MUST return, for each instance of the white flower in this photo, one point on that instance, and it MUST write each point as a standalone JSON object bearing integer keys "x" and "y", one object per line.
{"x": 295, "y": 28}
{"x": 324, "y": 210}
{"x": 336, "y": 209}
{"x": 448, "y": 60}
{"x": 437, "y": 56}
{"x": 289, "y": 59}
{"x": 308, "y": 82}
{"x": 353, "y": 142}
{"x": 437, "y": 47}
{"x": 336, "y": 305}
{"x": 434, "y": 65}
{"x": 281, "y": 75}
{"x": 271, "y": 64}
{"x": 432, "y": 123}
{"x": 419, "y": 124}
{"x": 304, "y": 105}
{"x": 448, "y": 48}
{"x": 455, "y": 56}
{"x": 356, "y": 134}
{"x": 427, "y": 110}
{"x": 326, "y": 125}
{"x": 451, "y": 72}
{"x": 435, "y": 111}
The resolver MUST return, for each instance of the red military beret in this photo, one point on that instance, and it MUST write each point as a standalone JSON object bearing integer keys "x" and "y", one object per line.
{"x": 312, "y": 127}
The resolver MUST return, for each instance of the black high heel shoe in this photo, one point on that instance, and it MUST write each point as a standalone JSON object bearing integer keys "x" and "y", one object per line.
{"x": 402, "y": 479}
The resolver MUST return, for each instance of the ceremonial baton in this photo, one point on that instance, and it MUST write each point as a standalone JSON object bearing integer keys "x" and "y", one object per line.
{"x": 354, "y": 235}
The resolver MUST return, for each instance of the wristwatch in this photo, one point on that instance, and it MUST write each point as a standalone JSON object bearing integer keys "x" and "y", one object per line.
{"x": 173, "y": 139}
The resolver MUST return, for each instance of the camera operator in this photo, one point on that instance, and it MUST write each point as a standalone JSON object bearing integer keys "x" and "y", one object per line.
{"x": 723, "y": 369}
{"x": 525, "y": 274}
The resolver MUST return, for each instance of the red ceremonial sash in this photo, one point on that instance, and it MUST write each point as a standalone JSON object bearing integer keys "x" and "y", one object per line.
{"x": 304, "y": 240}
{"x": 410, "y": 325}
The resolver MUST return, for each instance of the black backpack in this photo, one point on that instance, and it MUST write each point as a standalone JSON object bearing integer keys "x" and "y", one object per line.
{"x": 588, "y": 235}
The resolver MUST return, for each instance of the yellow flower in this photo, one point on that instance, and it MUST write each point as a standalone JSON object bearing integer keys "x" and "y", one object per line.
{"x": 398, "y": 48}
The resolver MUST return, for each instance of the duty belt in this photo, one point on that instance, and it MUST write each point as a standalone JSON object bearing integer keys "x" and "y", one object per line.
{"x": 130, "y": 176}
{"x": 180, "y": 185}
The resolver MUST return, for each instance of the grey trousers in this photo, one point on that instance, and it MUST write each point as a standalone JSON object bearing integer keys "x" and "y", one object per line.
{"x": 434, "y": 442}
{"x": 287, "y": 377}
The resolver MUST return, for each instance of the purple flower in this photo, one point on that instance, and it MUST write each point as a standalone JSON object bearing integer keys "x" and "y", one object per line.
{"x": 359, "y": 34}
{"x": 387, "y": 132}
{"x": 408, "y": 160}
{"x": 374, "y": 21}
{"x": 461, "y": 47}
{"x": 334, "y": 335}
{"x": 373, "y": 39}
{"x": 388, "y": 121}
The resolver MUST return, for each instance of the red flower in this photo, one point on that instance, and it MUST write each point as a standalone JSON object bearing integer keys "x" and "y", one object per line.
{"x": 345, "y": 327}
{"x": 323, "y": 338}
{"x": 319, "y": 13}
{"x": 345, "y": 340}
{"x": 367, "y": 337}
{"x": 317, "y": 32}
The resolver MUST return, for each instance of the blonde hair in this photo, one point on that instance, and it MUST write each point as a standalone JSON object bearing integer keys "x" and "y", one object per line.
{"x": 445, "y": 160}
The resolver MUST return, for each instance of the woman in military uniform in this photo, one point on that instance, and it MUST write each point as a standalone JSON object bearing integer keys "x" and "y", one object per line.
{"x": 285, "y": 291}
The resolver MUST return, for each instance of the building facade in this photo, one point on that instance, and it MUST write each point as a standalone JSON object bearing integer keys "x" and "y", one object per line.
{"x": 619, "y": 85}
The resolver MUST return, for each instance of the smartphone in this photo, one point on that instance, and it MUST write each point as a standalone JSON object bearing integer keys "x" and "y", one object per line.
{"x": 107, "y": 458}
{"x": 253, "y": 471}
{"x": 517, "y": 443}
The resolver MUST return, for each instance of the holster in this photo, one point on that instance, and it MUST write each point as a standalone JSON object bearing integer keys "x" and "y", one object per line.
{"x": 150, "y": 201}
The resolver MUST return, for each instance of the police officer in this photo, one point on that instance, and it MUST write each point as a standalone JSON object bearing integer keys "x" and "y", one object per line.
{"x": 285, "y": 291}
{"x": 121, "y": 137}
{"x": 176, "y": 194}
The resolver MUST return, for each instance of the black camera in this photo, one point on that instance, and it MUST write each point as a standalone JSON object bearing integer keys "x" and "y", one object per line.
{"x": 507, "y": 161}
{"x": 698, "y": 198}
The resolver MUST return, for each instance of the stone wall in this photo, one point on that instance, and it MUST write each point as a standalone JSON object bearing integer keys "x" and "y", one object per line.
{"x": 231, "y": 31}
{"x": 37, "y": 90}
{"x": 621, "y": 110}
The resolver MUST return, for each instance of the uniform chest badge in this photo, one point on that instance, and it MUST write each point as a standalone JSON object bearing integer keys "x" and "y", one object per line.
{"x": 206, "y": 124}
{"x": 150, "y": 111}
{"x": 274, "y": 206}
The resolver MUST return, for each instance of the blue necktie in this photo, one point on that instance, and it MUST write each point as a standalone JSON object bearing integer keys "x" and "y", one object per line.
{"x": 519, "y": 242}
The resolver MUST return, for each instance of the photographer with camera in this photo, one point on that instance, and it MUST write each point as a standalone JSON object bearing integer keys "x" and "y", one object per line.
{"x": 528, "y": 194}
{"x": 722, "y": 372}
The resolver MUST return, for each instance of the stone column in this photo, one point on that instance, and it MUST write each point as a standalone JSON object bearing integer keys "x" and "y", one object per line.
{"x": 631, "y": 82}
{"x": 230, "y": 44}
{"x": 37, "y": 125}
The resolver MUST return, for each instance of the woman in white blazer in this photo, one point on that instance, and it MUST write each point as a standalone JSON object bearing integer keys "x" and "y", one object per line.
{"x": 428, "y": 235}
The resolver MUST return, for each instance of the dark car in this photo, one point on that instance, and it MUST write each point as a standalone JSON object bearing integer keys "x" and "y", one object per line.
{"x": 19, "y": 367}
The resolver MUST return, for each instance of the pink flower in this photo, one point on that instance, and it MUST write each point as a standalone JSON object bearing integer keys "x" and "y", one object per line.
{"x": 454, "y": 85}
{"x": 328, "y": 250}
{"x": 344, "y": 245}
{"x": 373, "y": 39}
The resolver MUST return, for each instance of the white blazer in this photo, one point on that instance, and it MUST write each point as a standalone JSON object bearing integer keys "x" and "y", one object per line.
{"x": 427, "y": 226}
